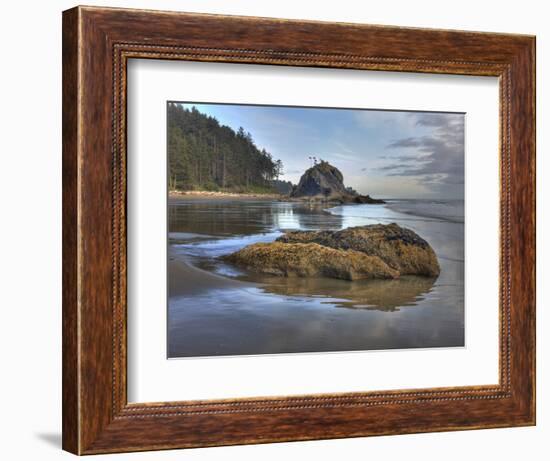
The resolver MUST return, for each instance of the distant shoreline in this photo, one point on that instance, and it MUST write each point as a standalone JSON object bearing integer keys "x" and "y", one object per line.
{"x": 204, "y": 194}
{"x": 199, "y": 195}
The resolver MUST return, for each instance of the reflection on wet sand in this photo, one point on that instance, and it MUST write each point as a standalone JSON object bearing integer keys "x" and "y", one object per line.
{"x": 246, "y": 218}
{"x": 383, "y": 295}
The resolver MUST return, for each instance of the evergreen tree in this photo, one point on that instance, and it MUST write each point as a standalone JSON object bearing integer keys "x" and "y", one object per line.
{"x": 202, "y": 154}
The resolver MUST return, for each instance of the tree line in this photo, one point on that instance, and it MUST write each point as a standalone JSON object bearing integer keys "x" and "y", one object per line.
{"x": 204, "y": 155}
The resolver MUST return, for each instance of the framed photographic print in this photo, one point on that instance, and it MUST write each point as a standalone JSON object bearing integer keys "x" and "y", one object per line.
{"x": 282, "y": 230}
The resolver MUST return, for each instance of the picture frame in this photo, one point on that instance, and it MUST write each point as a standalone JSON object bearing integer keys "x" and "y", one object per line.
{"x": 97, "y": 44}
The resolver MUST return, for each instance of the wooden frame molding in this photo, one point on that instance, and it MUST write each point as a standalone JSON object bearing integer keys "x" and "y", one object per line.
{"x": 97, "y": 44}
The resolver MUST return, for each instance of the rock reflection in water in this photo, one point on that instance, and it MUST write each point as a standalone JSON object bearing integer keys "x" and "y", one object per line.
{"x": 383, "y": 295}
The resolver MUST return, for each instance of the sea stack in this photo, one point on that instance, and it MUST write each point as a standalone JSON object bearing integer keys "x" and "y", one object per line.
{"x": 325, "y": 182}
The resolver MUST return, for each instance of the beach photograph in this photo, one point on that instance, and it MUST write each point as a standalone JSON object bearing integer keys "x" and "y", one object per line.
{"x": 313, "y": 229}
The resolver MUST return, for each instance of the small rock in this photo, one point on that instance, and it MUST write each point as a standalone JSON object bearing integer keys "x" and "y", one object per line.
{"x": 366, "y": 199}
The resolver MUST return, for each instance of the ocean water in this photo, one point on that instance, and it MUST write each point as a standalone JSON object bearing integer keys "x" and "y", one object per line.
{"x": 255, "y": 314}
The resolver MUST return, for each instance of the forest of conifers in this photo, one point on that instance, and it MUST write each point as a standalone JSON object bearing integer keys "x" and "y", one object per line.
{"x": 204, "y": 155}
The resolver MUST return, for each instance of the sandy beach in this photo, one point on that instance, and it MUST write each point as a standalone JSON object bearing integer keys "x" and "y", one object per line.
{"x": 209, "y": 195}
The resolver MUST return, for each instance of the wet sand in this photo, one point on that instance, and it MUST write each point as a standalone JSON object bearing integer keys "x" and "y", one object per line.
{"x": 216, "y": 309}
{"x": 185, "y": 279}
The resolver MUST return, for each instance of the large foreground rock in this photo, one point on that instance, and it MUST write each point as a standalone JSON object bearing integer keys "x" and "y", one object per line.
{"x": 401, "y": 249}
{"x": 310, "y": 260}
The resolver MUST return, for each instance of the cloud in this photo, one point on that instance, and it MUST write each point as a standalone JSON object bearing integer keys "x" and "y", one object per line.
{"x": 395, "y": 166}
{"x": 436, "y": 157}
{"x": 438, "y": 120}
{"x": 342, "y": 156}
{"x": 344, "y": 148}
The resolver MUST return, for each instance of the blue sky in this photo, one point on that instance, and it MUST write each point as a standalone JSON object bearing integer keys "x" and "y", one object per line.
{"x": 387, "y": 154}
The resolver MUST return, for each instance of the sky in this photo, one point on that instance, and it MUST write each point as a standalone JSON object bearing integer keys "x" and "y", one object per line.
{"x": 386, "y": 154}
